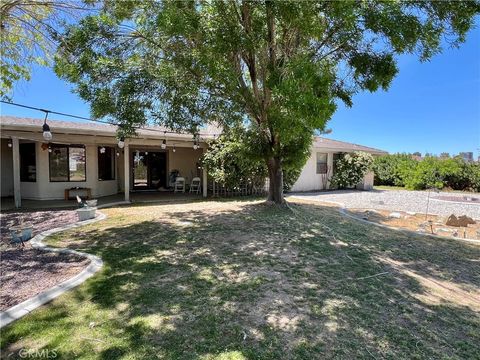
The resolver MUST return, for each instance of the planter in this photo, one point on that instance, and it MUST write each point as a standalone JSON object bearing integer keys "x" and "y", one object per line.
{"x": 91, "y": 203}
{"x": 86, "y": 213}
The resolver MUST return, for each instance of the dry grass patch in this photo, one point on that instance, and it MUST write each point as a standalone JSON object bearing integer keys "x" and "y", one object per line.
{"x": 241, "y": 280}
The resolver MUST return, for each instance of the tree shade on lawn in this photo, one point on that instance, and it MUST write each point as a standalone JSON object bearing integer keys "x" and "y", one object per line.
{"x": 240, "y": 280}
{"x": 275, "y": 67}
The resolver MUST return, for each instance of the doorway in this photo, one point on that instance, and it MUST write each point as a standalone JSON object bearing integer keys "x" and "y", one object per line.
{"x": 149, "y": 170}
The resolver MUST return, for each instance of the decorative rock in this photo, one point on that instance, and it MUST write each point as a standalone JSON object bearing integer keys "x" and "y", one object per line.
{"x": 395, "y": 215}
{"x": 461, "y": 221}
{"x": 465, "y": 220}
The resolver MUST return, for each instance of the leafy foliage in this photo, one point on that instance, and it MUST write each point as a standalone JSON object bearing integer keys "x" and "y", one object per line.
{"x": 350, "y": 169}
{"x": 232, "y": 161}
{"x": 443, "y": 172}
{"x": 275, "y": 68}
{"x": 391, "y": 169}
{"x": 29, "y": 31}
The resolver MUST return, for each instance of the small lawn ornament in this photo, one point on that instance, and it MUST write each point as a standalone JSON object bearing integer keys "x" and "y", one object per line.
{"x": 20, "y": 234}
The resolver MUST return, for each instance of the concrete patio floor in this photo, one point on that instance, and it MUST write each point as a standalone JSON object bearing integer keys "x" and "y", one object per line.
{"x": 135, "y": 197}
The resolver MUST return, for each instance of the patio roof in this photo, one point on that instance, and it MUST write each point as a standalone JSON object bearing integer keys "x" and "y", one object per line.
{"x": 86, "y": 128}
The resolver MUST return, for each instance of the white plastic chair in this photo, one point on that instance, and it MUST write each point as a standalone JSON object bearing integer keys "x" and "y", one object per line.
{"x": 195, "y": 185}
{"x": 179, "y": 184}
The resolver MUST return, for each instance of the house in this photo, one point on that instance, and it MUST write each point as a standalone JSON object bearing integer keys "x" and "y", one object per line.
{"x": 319, "y": 167}
{"x": 83, "y": 157}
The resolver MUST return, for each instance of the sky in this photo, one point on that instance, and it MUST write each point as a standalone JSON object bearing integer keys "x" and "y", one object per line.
{"x": 430, "y": 107}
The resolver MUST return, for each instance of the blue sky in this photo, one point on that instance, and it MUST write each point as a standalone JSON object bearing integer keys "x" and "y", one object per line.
{"x": 430, "y": 107}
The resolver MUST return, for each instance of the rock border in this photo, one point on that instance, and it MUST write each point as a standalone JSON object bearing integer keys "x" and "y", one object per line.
{"x": 18, "y": 311}
{"x": 343, "y": 210}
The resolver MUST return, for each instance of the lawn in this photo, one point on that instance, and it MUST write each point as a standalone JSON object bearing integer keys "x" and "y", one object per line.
{"x": 241, "y": 280}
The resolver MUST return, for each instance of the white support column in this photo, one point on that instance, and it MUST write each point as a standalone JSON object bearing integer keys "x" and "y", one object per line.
{"x": 17, "y": 195}
{"x": 205, "y": 182}
{"x": 126, "y": 159}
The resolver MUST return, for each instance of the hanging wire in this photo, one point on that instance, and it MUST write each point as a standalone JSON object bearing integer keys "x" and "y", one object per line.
{"x": 89, "y": 119}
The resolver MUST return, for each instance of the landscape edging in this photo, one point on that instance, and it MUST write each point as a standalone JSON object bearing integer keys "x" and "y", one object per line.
{"x": 96, "y": 263}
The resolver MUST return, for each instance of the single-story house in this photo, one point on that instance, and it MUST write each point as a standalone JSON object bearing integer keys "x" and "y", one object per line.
{"x": 89, "y": 156}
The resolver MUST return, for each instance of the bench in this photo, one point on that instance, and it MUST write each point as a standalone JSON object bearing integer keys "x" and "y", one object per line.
{"x": 88, "y": 192}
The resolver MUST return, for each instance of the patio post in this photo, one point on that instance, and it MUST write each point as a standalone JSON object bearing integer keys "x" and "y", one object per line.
{"x": 205, "y": 179}
{"x": 16, "y": 173}
{"x": 126, "y": 159}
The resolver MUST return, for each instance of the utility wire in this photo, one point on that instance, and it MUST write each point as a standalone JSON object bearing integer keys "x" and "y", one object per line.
{"x": 89, "y": 119}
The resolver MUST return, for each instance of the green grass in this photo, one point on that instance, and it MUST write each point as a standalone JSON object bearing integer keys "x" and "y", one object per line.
{"x": 241, "y": 280}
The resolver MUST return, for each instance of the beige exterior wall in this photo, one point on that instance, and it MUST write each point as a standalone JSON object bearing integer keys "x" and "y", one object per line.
{"x": 185, "y": 160}
{"x": 44, "y": 189}
{"x": 309, "y": 180}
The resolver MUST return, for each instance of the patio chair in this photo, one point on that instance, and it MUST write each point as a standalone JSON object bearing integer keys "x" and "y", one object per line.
{"x": 195, "y": 185}
{"x": 179, "y": 184}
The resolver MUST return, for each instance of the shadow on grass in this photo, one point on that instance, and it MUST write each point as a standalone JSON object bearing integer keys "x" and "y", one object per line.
{"x": 252, "y": 281}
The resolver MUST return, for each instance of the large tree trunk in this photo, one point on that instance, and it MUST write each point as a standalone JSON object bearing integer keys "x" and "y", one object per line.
{"x": 275, "y": 174}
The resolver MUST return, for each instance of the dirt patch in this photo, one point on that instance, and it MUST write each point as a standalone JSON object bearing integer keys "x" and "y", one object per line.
{"x": 432, "y": 224}
{"x": 27, "y": 272}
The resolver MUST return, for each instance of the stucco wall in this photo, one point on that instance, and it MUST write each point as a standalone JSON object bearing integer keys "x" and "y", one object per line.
{"x": 6, "y": 170}
{"x": 309, "y": 180}
{"x": 43, "y": 189}
{"x": 185, "y": 160}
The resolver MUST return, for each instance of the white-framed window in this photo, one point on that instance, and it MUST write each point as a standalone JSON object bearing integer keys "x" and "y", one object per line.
{"x": 322, "y": 167}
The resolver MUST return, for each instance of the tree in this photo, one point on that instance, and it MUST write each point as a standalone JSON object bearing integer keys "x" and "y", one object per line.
{"x": 444, "y": 155}
{"x": 275, "y": 67}
{"x": 29, "y": 32}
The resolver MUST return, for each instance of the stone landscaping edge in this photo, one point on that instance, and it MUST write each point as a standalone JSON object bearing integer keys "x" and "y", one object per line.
{"x": 343, "y": 210}
{"x": 96, "y": 263}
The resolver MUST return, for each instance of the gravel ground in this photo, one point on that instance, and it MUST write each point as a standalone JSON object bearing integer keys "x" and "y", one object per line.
{"x": 41, "y": 220}
{"x": 25, "y": 272}
{"x": 404, "y": 200}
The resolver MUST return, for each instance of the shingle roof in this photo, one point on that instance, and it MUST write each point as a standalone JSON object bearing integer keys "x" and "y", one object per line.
{"x": 341, "y": 146}
{"x": 10, "y": 122}
{"x": 7, "y": 121}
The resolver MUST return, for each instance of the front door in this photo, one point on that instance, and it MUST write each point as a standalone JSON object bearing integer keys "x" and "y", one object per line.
{"x": 149, "y": 170}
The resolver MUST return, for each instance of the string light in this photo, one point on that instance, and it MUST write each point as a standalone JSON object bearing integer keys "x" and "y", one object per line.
{"x": 121, "y": 142}
{"x": 47, "y": 135}
{"x": 164, "y": 142}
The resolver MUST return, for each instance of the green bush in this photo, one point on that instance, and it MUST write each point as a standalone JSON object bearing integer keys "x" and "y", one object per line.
{"x": 350, "y": 169}
{"x": 232, "y": 160}
{"x": 391, "y": 170}
{"x": 402, "y": 170}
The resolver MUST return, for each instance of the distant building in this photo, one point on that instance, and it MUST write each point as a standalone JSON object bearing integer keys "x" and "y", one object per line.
{"x": 467, "y": 156}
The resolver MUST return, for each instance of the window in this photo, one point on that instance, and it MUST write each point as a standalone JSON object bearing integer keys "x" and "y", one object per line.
{"x": 67, "y": 163}
{"x": 106, "y": 163}
{"x": 28, "y": 166}
{"x": 321, "y": 163}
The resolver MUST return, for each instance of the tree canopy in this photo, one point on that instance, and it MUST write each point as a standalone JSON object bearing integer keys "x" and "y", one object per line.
{"x": 277, "y": 68}
{"x": 29, "y": 32}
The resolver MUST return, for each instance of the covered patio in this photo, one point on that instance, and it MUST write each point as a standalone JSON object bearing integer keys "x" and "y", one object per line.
{"x": 89, "y": 160}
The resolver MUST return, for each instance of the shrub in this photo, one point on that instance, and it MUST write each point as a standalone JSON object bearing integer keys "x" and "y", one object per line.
{"x": 350, "y": 169}
{"x": 232, "y": 160}
{"x": 402, "y": 170}
{"x": 392, "y": 169}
